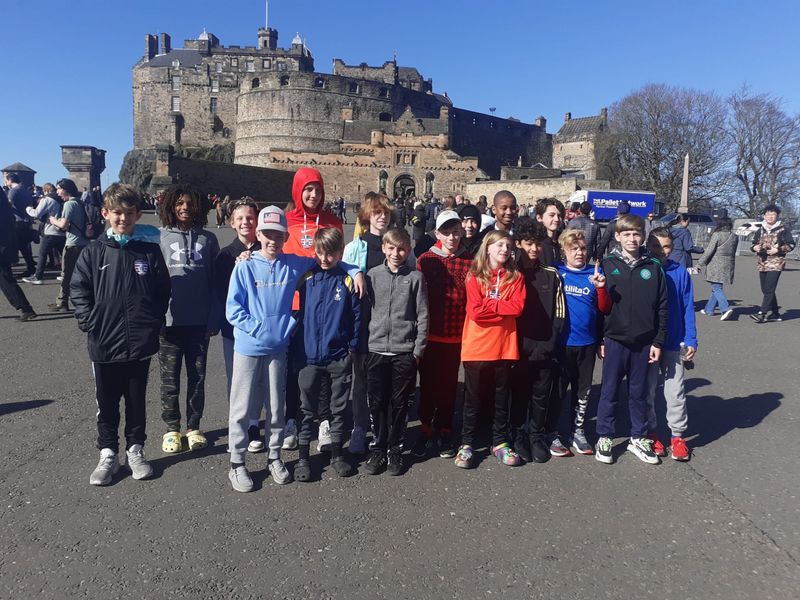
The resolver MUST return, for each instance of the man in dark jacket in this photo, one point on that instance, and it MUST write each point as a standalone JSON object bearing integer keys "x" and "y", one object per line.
{"x": 589, "y": 227}
{"x": 8, "y": 251}
{"x": 608, "y": 242}
{"x": 20, "y": 199}
{"x": 121, "y": 291}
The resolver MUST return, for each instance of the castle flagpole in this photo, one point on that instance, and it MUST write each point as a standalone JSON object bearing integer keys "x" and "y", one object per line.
{"x": 266, "y": 14}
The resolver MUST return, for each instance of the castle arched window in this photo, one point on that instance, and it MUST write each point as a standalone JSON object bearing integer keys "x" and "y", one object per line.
{"x": 429, "y": 183}
{"x": 176, "y": 63}
{"x": 285, "y": 80}
{"x": 255, "y": 83}
{"x": 384, "y": 116}
{"x": 383, "y": 92}
{"x": 355, "y": 88}
{"x": 383, "y": 177}
{"x": 319, "y": 82}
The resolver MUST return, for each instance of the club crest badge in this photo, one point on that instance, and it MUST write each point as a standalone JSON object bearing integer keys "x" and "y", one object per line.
{"x": 645, "y": 274}
{"x": 141, "y": 267}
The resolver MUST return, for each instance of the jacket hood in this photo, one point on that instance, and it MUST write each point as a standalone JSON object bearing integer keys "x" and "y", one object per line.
{"x": 669, "y": 265}
{"x": 302, "y": 178}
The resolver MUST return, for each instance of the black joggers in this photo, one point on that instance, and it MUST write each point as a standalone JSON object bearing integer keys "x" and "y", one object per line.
{"x": 114, "y": 381}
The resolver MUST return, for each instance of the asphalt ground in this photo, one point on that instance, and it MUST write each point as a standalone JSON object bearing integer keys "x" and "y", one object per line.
{"x": 724, "y": 525}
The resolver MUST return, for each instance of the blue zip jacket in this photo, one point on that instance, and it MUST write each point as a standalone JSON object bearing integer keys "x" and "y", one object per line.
{"x": 331, "y": 316}
{"x": 681, "y": 325}
{"x": 259, "y": 304}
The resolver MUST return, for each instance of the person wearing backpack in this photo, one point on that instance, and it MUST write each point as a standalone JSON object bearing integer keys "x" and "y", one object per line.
{"x": 73, "y": 221}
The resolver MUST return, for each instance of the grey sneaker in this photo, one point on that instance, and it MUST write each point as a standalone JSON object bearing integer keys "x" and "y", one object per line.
{"x": 32, "y": 280}
{"x": 557, "y": 448}
{"x": 139, "y": 467}
{"x": 324, "y": 437}
{"x": 240, "y": 479}
{"x": 642, "y": 448}
{"x": 580, "y": 444}
{"x": 290, "y": 435}
{"x": 106, "y": 468}
{"x": 280, "y": 474}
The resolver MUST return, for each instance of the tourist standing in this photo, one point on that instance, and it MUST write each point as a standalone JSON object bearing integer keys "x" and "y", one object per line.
{"x": 8, "y": 253}
{"x": 73, "y": 223}
{"x": 20, "y": 198}
{"x": 771, "y": 243}
{"x": 53, "y": 238}
{"x": 719, "y": 261}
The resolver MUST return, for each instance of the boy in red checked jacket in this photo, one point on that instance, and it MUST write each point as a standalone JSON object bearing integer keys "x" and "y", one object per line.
{"x": 445, "y": 267}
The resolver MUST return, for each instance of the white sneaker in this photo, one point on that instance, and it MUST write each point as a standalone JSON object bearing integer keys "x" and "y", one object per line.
{"x": 140, "y": 468}
{"x": 240, "y": 480}
{"x": 290, "y": 435}
{"x": 324, "y": 437}
{"x": 358, "y": 441}
{"x": 726, "y": 315}
{"x": 642, "y": 448}
{"x": 32, "y": 279}
{"x": 280, "y": 474}
{"x": 106, "y": 468}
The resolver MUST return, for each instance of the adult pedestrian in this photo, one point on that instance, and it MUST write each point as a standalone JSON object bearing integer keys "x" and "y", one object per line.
{"x": 8, "y": 254}
{"x": 682, "y": 243}
{"x": 53, "y": 238}
{"x": 589, "y": 226}
{"x": 20, "y": 200}
{"x": 609, "y": 241}
{"x": 73, "y": 223}
{"x": 771, "y": 243}
{"x": 719, "y": 261}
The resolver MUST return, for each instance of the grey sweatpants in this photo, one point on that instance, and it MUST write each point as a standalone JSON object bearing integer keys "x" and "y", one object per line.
{"x": 227, "y": 355}
{"x": 246, "y": 402}
{"x": 670, "y": 370}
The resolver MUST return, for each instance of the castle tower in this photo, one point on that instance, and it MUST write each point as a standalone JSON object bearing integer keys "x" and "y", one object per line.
{"x": 84, "y": 163}
{"x": 267, "y": 38}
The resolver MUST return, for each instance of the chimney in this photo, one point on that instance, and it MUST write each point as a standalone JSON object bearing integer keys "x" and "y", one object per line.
{"x": 444, "y": 112}
{"x": 540, "y": 122}
{"x": 567, "y": 116}
{"x": 604, "y": 113}
{"x": 150, "y": 46}
{"x": 166, "y": 44}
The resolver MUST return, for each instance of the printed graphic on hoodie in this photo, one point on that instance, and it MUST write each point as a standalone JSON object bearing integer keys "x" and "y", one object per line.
{"x": 177, "y": 257}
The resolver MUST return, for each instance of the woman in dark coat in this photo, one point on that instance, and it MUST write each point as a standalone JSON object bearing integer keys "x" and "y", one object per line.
{"x": 719, "y": 261}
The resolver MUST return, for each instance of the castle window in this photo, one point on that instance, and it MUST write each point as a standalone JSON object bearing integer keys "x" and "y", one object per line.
{"x": 176, "y": 83}
{"x": 281, "y": 66}
{"x": 218, "y": 67}
{"x": 255, "y": 83}
{"x": 234, "y": 63}
{"x": 176, "y": 64}
{"x": 213, "y": 106}
{"x": 319, "y": 82}
{"x": 251, "y": 66}
{"x": 384, "y": 116}
{"x": 383, "y": 92}
{"x": 355, "y": 88}
{"x": 176, "y": 104}
{"x": 285, "y": 80}
{"x": 215, "y": 85}
{"x": 266, "y": 64}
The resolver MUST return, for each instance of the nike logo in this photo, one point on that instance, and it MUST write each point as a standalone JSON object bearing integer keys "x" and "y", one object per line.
{"x": 104, "y": 267}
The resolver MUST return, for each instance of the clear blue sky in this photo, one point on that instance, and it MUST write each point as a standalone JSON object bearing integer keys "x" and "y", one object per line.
{"x": 67, "y": 67}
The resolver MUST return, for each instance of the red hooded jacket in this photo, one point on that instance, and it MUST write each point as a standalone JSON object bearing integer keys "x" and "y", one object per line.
{"x": 303, "y": 222}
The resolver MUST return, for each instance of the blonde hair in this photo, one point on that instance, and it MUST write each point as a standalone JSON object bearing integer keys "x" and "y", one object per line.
{"x": 375, "y": 202}
{"x": 481, "y": 268}
{"x": 398, "y": 237}
{"x": 328, "y": 239}
{"x": 570, "y": 236}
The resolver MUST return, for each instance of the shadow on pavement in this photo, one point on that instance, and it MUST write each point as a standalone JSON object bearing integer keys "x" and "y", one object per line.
{"x": 11, "y": 407}
{"x": 713, "y": 417}
{"x": 165, "y": 461}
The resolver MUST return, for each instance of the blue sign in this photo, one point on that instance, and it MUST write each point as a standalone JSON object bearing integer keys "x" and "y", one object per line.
{"x": 606, "y": 202}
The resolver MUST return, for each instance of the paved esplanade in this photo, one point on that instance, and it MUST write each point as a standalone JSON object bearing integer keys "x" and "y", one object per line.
{"x": 725, "y": 525}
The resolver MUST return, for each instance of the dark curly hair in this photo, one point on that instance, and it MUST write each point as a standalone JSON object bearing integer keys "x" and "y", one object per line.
{"x": 530, "y": 230}
{"x": 199, "y": 206}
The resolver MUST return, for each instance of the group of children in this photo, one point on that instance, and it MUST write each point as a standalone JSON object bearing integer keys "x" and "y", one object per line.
{"x": 526, "y": 316}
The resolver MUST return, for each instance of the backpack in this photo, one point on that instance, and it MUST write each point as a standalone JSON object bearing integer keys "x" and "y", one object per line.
{"x": 94, "y": 223}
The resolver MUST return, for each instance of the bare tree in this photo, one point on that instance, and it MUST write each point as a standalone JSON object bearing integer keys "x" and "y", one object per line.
{"x": 651, "y": 130}
{"x": 766, "y": 141}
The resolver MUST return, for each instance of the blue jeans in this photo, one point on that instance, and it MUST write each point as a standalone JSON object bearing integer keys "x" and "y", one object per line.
{"x": 717, "y": 296}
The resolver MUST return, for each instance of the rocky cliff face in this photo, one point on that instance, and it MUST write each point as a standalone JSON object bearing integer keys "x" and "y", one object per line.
{"x": 138, "y": 165}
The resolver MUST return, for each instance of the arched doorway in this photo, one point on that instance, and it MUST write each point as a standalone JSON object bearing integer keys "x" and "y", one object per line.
{"x": 404, "y": 187}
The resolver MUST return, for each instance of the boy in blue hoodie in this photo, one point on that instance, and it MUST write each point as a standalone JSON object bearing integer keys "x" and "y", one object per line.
{"x": 259, "y": 306}
{"x": 681, "y": 333}
{"x": 331, "y": 323}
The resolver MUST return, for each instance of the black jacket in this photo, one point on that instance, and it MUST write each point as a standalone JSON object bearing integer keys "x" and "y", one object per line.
{"x": 121, "y": 295}
{"x": 223, "y": 268}
{"x": 639, "y": 294}
{"x": 542, "y": 320}
{"x": 8, "y": 232}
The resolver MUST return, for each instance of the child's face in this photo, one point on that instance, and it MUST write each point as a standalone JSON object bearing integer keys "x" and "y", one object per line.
{"x": 499, "y": 252}
{"x": 450, "y": 237}
{"x": 551, "y": 219}
{"x": 271, "y": 242}
{"x": 660, "y": 247}
{"x": 532, "y": 249}
{"x": 121, "y": 219}
{"x": 379, "y": 221}
{"x": 630, "y": 240}
{"x": 327, "y": 260}
{"x": 313, "y": 194}
{"x": 243, "y": 222}
{"x": 183, "y": 209}
{"x": 505, "y": 211}
{"x": 575, "y": 254}
{"x": 470, "y": 227}
{"x": 395, "y": 254}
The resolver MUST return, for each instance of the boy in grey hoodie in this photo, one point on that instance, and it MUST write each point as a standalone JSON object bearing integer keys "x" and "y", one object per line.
{"x": 190, "y": 252}
{"x": 398, "y": 331}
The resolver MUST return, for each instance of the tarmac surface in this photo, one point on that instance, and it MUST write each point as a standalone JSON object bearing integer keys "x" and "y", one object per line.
{"x": 724, "y": 525}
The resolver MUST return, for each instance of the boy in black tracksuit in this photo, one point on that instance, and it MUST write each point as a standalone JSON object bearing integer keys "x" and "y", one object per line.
{"x": 121, "y": 290}
{"x": 634, "y": 332}
{"x": 538, "y": 331}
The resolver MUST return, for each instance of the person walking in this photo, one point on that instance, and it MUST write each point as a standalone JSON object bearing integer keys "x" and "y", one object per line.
{"x": 8, "y": 252}
{"x": 719, "y": 261}
{"x": 771, "y": 243}
{"x": 53, "y": 238}
{"x": 682, "y": 243}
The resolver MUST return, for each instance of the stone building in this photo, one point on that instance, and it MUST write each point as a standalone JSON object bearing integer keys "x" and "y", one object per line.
{"x": 575, "y": 146}
{"x": 365, "y": 127}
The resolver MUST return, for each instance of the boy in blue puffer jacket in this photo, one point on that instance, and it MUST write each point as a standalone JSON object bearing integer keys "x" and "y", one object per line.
{"x": 259, "y": 306}
{"x": 331, "y": 323}
{"x": 681, "y": 333}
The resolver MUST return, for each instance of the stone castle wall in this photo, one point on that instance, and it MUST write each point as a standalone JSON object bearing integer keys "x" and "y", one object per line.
{"x": 528, "y": 191}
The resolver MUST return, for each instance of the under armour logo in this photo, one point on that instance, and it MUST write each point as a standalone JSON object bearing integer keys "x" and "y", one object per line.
{"x": 196, "y": 255}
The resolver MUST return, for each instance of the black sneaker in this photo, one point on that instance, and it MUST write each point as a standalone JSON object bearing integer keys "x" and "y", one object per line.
{"x": 422, "y": 447}
{"x": 27, "y": 315}
{"x": 58, "y": 307}
{"x": 376, "y": 462}
{"x": 394, "y": 461}
{"x": 774, "y": 317}
{"x": 758, "y": 317}
{"x": 522, "y": 446}
{"x": 540, "y": 450}
{"x": 447, "y": 449}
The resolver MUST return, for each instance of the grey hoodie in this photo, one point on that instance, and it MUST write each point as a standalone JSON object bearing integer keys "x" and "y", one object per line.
{"x": 190, "y": 257}
{"x": 399, "y": 310}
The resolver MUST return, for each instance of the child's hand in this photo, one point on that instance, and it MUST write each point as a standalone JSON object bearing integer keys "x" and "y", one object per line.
{"x": 655, "y": 354}
{"x": 359, "y": 285}
{"x": 244, "y": 256}
{"x": 598, "y": 279}
{"x": 757, "y": 248}
{"x": 211, "y": 333}
{"x": 601, "y": 352}
{"x": 690, "y": 352}
{"x": 772, "y": 251}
